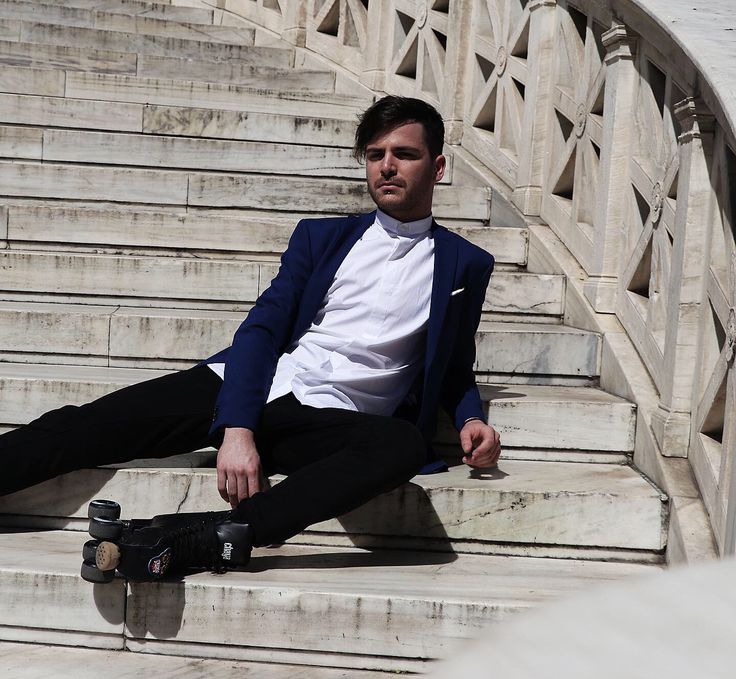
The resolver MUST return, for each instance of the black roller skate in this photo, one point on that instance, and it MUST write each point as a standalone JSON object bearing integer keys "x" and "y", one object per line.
{"x": 148, "y": 549}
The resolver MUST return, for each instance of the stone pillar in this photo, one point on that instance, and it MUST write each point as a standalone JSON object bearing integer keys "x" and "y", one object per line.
{"x": 729, "y": 431}
{"x": 609, "y": 217}
{"x": 671, "y": 420}
{"x": 378, "y": 49}
{"x": 527, "y": 195}
{"x": 457, "y": 69}
{"x": 295, "y": 23}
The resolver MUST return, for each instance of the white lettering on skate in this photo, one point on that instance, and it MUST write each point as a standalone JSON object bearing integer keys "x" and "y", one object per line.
{"x": 227, "y": 551}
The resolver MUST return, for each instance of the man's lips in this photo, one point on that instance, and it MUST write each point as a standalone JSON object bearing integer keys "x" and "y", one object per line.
{"x": 388, "y": 185}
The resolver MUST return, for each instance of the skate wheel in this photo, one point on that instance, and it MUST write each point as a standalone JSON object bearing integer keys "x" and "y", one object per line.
{"x": 90, "y": 550}
{"x": 105, "y": 509}
{"x": 91, "y": 573}
{"x": 107, "y": 556}
{"x": 105, "y": 529}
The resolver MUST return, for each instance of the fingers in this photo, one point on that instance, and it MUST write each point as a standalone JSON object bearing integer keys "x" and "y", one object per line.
{"x": 487, "y": 448}
{"x": 222, "y": 483}
{"x": 466, "y": 440}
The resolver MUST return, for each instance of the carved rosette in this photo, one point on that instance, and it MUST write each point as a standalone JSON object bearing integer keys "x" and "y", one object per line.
{"x": 731, "y": 335}
{"x": 655, "y": 202}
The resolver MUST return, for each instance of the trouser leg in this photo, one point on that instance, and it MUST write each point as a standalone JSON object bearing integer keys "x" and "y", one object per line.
{"x": 336, "y": 460}
{"x": 165, "y": 416}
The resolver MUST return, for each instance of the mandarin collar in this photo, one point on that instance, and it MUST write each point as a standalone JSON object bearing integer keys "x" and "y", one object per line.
{"x": 408, "y": 229}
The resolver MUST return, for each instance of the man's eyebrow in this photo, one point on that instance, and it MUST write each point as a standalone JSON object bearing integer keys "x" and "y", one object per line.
{"x": 408, "y": 147}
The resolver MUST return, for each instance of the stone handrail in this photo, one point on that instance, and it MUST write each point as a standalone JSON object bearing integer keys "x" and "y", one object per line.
{"x": 614, "y": 122}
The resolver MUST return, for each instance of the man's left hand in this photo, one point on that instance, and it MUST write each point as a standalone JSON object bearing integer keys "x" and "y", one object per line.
{"x": 481, "y": 444}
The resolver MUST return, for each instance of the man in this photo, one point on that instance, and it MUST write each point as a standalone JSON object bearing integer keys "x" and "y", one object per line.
{"x": 334, "y": 378}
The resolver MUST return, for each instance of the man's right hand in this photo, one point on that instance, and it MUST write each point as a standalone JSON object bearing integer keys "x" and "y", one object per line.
{"x": 238, "y": 466}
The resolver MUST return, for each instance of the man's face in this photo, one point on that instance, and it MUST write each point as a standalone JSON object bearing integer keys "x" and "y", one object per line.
{"x": 401, "y": 172}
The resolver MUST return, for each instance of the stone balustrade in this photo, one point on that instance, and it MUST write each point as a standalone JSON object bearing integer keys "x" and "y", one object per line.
{"x": 613, "y": 122}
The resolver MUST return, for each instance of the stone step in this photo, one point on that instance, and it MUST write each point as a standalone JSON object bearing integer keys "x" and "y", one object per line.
{"x": 37, "y": 661}
{"x": 378, "y": 610}
{"x": 187, "y": 23}
{"x": 220, "y": 283}
{"x": 154, "y": 151}
{"x": 218, "y": 233}
{"x": 95, "y": 28}
{"x": 170, "y": 338}
{"x": 253, "y": 72}
{"x": 57, "y": 111}
{"x": 203, "y": 46}
{"x": 66, "y": 57}
{"x": 157, "y": 10}
{"x": 527, "y": 416}
{"x": 249, "y": 125}
{"x": 557, "y": 509}
{"x": 28, "y": 179}
{"x": 188, "y": 93}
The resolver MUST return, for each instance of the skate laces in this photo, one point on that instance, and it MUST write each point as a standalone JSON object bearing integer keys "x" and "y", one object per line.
{"x": 196, "y": 545}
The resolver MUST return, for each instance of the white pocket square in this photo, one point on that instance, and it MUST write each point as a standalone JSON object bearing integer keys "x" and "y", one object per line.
{"x": 456, "y": 292}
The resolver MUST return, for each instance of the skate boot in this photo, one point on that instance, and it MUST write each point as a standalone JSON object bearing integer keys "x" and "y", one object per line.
{"x": 149, "y": 549}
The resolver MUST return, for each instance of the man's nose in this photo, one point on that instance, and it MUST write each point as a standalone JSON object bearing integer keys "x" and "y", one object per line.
{"x": 388, "y": 166}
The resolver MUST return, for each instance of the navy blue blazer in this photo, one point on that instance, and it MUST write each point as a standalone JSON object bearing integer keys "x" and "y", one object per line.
{"x": 285, "y": 311}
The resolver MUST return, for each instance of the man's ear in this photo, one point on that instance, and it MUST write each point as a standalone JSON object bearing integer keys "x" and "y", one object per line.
{"x": 440, "y": 163}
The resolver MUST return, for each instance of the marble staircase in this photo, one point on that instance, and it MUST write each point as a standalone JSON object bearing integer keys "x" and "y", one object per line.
{"x": 154, "y": 158}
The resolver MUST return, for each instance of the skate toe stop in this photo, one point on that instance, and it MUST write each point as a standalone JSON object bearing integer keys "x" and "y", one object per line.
{"x": 107, "y": 556}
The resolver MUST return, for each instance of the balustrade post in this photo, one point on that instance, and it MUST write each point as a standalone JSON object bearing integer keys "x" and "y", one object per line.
{"x": 729, "y": 434}
{"x": 295, "y": 23}
{"x": 609, "y": 217}
{"x": 671, "y": 420}
{"x": 527, "y": 194}
{"x": 457, "y": 69}
{"x": 378, "y": 49}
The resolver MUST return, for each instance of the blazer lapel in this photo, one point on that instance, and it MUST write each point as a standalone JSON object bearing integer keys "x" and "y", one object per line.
{"x": 445, "y": 263}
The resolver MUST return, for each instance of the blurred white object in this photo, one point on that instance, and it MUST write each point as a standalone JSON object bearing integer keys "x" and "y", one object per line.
{"x": 677, "y": 624}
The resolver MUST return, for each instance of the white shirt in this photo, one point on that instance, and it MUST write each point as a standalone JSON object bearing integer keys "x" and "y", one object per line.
{"x": 366, "y": 345}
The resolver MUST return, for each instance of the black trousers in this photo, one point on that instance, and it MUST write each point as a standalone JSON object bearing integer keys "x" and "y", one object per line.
{"x": 335, "y": 459}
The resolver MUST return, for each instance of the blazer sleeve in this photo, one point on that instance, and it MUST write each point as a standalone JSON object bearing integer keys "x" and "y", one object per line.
{"x": 459, "y": 395}
{"x": 262, "y": 338}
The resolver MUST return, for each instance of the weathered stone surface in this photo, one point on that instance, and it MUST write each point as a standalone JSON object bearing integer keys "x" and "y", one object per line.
{"x": 93, "y": 183}
{"x": 53, "y": 34}
{"x": 316, "y": 195}
{"x": 232, "y": 35}
{"x": 214, "y": 231}
{"x": 260, "y": 233}
{"x": 216, "y": 281}
{"x": 21, "y": 142}
{"x": 533, "y": 349}
{"x": 518, "y": 293}
{"x": 63, "y": 112}
{"x": 157, "y": 277}
{"x": 236, "y": 72}
{"x": 208, "y": 95}
{"x": 55, "y": 329}
{"x": 9, "y": 29}
{"x": 30, "y": 390}
{"x": 521, "y": 502}
{"x": 199, "y": 154}
{"x": 40, "y": 662}
{"x": 561, "y": 417}
{"x": 169, "y": 338}
{"x": 411, "y": 605}
{"x": 249, "y": 125}
{"x": 68, "y": 608}
{"x": 20, "y": 80}
{"x": 66, "y": 57}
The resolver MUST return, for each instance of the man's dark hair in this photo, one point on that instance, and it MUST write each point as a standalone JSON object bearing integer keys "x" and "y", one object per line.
{"x": 390, "y": 112}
